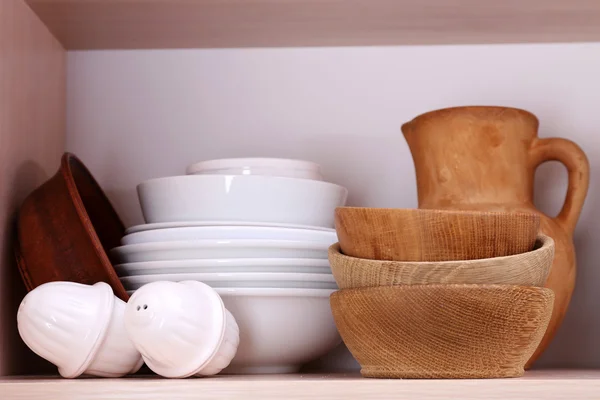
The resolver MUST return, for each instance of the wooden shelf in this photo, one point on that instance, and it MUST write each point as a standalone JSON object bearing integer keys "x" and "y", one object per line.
{"x": 547, "y": 385}
{"x": 140, "y": 24}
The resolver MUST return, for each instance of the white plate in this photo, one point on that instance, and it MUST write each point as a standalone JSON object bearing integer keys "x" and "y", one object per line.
{"x": 230, "y": 232}
{"x": 189, "y": 224}
{"x": 204, "y": 249}
{"x": 306, "y": 265}
{"x": 239, "y": 279}
{"x": 240, "y": 198}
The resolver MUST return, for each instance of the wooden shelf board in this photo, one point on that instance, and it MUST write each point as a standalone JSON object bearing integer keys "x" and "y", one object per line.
{"x": 547, "y": 385}
{"x": 142, "y": 24}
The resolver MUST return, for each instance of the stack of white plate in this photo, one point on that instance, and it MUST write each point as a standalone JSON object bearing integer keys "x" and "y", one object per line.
{"x": 257, "y": 230}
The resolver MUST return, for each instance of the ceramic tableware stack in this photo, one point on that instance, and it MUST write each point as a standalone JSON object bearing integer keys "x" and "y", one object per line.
{"x": 258, "y": 232}
{"x": 440, "y": 294}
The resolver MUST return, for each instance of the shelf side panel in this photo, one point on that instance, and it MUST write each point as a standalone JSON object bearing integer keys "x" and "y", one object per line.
{"x": 32, "y": 132}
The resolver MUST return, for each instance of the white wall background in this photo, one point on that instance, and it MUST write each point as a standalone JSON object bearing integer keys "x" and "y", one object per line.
{"x": 134, "y": 115}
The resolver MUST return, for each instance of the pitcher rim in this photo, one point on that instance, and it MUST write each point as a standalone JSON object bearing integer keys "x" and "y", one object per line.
{"x": 423, "y": 117}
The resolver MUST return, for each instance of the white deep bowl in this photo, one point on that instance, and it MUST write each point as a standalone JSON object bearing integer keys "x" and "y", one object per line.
{"x": 280, "y": 329}
{"x": 207, "y": 249}
{"x": 258, "y": 166}
{"x": 307, "y": 265}
{"x": 240, "y": 198}
{"x": 327, "y": 238}
{"x": 239, "y": 279}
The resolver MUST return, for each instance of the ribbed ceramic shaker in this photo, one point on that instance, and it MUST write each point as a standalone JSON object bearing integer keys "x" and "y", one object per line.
{"x": 181, "y": 329}
{"x": 79, "y": 328}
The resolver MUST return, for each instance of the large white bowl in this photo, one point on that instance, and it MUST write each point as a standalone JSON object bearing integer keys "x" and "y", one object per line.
{"x": 230, "y": 232}
{"x": 240, "y": 198}
{"x": 205, "y": 249}
{"x": 280, "y": 329}
{"x": 258, "y": 166}
{"x": 191, "y": 224}
{"x": 239, "y": 279}
{"x": 307, "y": 265}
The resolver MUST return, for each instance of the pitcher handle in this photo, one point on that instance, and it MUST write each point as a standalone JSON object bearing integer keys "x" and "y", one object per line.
{"x": 578, "y": 167}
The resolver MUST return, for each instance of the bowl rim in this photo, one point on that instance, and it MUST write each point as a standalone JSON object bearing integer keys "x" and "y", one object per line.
{"x": 229, "y": 179}
{"x": 447, "y": 286}
{"x": 543, "y": 243}
{"x": 253, "y": 162}
{"x": 66, "y": 171}
{"x": 518, "y": 214}
{"x": 271, "y": 292}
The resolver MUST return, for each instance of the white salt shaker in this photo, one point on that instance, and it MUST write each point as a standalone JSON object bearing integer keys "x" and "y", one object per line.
{"x": 181, "y": 329}
{"x": 79, "y": 328}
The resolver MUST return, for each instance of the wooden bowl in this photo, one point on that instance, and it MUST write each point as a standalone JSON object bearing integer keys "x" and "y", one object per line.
{"x": 65, "y": 228}
{"x": 396, "y": 234}
{"x": 525, "y": 269}
{"x": 442, "y": 331}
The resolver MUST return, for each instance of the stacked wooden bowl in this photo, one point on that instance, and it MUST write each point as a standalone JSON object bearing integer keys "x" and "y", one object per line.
{"x": 440, "y": 294}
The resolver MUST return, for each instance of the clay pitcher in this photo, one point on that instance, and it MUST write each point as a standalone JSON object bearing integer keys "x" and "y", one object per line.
{"x": 484, "y": 158}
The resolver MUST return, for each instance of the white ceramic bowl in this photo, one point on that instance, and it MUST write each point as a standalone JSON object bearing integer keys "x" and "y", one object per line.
{"x": 239, "y": 280}
{"x": 193, "y": 224}
{"x": 240, "y": 198}
{"x": 280, "y": 329}
{"x": 307, "y": 265}
{"x": 258, "y": 166}
{"x": 230, "y": 232}
{"x": 205, "y": 249}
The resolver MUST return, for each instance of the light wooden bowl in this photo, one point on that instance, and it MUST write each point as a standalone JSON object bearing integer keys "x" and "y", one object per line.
{"x": 442, "y": 331}
{"x": 396, "y": 234}
{"x": 526, "y": 269}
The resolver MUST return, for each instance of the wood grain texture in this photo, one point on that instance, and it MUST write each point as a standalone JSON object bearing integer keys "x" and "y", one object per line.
{"x": 484, "y": 158}
{"x": 527, "y": 269}
{"x": 65, "y": 229}
{"x": 535, "y": 385}
{"x": 396, "y": 234}
{"x": 32, "y": 132}
{"x": 127, "y": 24}
{"x": 442, "y": 331}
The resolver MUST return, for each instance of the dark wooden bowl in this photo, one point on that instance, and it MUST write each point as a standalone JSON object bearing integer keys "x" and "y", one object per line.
{"x": 65, "y": 229}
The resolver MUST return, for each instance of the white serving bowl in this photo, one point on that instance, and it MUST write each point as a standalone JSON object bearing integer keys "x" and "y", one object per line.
{"x": 230, "y": 232}
{"x": 280, "y": 329}
{"x": 258, "y": 166}
{"x": 205, "y": 249}
{"x": 307, "y": 265}
{"x": 240, "y": 198}
{"x": 239, "y": 279}
{"x": 192, "y": 224}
